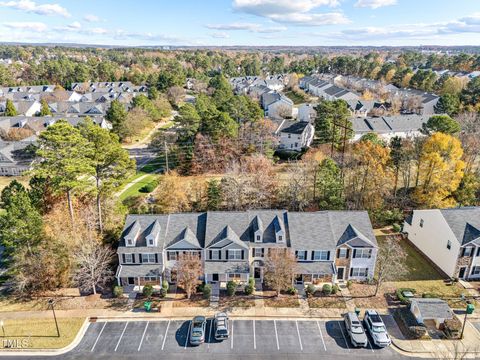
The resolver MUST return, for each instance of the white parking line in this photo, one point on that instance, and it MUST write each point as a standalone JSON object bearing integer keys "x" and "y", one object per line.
{"x": 344, "y": 338}
{"x": 231, "y": 343}
{"x": 254, "y": 339}
{"x": 276, "y": 333}
{"x": 121, "y": 336}
{"x": 143, "y": 335}
{"x": 98, "y": 337}
{"x": 165, "y": 337}
{"x": 188, "y": 334}
{"x": 321, "y": 335}
{"x": 299, "y": 338}
{"x": 210, "y": 333}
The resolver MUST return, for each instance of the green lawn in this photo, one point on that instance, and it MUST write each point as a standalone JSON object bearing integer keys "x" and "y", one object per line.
{"x": 42, "y": 333}
{"x": 296, "y": 97}
{"x": 417, "y": 265}
{"x": 134, "y": 189}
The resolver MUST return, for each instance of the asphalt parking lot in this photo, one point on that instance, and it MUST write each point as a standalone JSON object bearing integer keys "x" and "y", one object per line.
{"x": 247, "y": 337}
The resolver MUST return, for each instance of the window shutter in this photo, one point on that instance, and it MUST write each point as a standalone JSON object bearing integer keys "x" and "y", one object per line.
{"x": 348, "y": 254}
{"x": 313, "y": 252}
{"x": 219, "y": 254}
{"x": 328, "y": 255}
{"x": 133, "y": 258}
{"x": 463, "y": 252}
{"x": 226, "y": 254}
{"x": 253, "y": 252}
{"x": 472, "y": 254}
{"x": 123, "y": 258}
{"x": 243, "y": 254}
{"x": 296, "y": 254}
{"x": 338, "y": 254}
{"x": 366, "y": 271}
{"x": 263, "y": 251}
{"x": 478, "y": 251}
{"x": 140, "y": 260}
{"x": 351, "y": 269}
{"x": 156, "y": 258}
{"x": 210, "y": 254}
{"x": 354, "y": 253}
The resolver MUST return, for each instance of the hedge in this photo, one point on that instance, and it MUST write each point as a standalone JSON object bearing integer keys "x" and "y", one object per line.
{"x": 148, "y": 188}
{"x": 404, "y": 300}
{"x": 409, "y": 324}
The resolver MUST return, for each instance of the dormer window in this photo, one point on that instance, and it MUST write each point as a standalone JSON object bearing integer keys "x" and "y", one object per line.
{"x": 150, "y": 242}
{"x": 129, "y": 242}
{"x": 280, "y": 238}
{"x": 258, "y": 238}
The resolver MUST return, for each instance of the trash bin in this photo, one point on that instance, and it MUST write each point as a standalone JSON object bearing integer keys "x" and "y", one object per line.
{"x": 147, "y": 305}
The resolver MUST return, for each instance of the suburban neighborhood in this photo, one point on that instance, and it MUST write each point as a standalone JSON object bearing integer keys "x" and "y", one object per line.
{"x": 247, "y": 179}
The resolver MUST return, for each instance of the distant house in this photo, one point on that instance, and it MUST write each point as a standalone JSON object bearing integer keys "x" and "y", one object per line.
{"x": 14, "y": 157}
{"x": 295, "y": 135}
{"x": 387, "y": 127}
{"x": 277, "y": 105}
{"x": 307, "y": 112}
{"x": 24, "y": 107}
{"x": 450, "y": 238}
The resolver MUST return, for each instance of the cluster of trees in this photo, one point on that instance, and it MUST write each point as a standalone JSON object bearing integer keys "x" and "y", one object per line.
{"x": 54, "y": 230}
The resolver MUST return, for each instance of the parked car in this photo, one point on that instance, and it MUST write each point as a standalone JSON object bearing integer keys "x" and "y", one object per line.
{"x": 197, "y": 331}
{"x": 375, "y": 326}
{"x": 355, "y": 330}
{"x": 221, "y": 326}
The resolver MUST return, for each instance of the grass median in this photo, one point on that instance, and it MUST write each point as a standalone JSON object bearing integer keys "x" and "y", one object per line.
{"x": 41, "y": 333}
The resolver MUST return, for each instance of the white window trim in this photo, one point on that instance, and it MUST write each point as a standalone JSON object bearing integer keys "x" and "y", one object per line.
{"x": 359, "y": 272}
{"x": 365, "y": 253}
{"x": 304, "y": 255}
{"x": 131, "y": 259}
{"x": 149, "y": 258}
{"x": 257, "y": 252}
{"x": 217, "y": 253}
{"x": 236, "y": 252}
{"x": 320, "y": 252}
{"x": 344, "y": 256}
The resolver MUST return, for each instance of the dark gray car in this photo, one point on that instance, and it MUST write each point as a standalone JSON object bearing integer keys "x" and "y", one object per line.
{"x": 355, "y": 330}
{"x": 197, "y": 331}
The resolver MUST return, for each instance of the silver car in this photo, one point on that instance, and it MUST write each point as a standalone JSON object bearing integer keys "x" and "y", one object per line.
{"x": 355, "y": 330}
{"x": 221, "y": 326}
{"x": 375, "y": 326}
{"x": 197, "y": 331}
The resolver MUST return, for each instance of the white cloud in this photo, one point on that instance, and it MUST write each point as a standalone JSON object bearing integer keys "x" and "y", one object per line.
{"x": 39, "y": 9}
{"x": 33, "y": 26}
{"x": 252, "y": 27}
{"x": 75, "y": 25}
{"x": 375, "y": 4}
{"x": 296, "y": 12}
{"x": 219, "y": 35}
{"x": 98, "y": 31}
{"x": 91, "y": 18}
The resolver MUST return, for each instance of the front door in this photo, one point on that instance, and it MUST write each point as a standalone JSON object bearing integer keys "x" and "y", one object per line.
{"x": 341, "y": 273}
{"x": 461, "y": 273}
{"x": 214, "y": 277}
{"x": 131, "y": 281}
{"x": 257, "y": 273}
{"x": 299, "y": 279}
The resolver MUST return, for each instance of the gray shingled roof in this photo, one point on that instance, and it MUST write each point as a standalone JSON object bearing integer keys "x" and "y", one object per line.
{"x": 464, "y": 222}
{"x": 294, "y": 127}
{"x": 316, "y": 267}
{"x": 140, "y": 270}
{"x": 431, "y": 309}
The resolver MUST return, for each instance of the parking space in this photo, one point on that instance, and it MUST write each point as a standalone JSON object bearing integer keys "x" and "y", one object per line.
{"x": 476, "y": 324}
{"x": 246, "y": 337}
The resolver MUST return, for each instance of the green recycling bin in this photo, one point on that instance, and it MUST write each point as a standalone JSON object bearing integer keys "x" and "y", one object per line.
{"x": 147, "y": 305}
{"x": 357, "y": 311}
{"x": 470, "y": 309}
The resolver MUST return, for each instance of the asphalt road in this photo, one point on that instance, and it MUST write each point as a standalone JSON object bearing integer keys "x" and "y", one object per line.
{"x": 249, "y": 339}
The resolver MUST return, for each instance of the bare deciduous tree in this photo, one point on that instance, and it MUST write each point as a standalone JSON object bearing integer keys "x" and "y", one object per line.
{"x": 280, "y": 268}
{"x": 189, "y": 269}
{"x": 93, "y": 266}
{"x": 175, "y": 94}
{"x": 390, "y": 261}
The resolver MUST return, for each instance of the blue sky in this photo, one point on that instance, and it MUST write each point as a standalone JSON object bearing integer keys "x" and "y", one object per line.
{"x": 242, "y": 22}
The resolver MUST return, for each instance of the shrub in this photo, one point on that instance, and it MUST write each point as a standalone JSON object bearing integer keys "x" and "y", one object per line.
{"x": 335, "y": 289}
{"x": 430, "y": 295}
{"x": 165, "y": 285}
{"x": 291, "y": 291}
{"x": 310, "y": 290}
{"x": 452, "y": 328}
{"x": 231, "y": 288}
{"x": 162, "y": 292}
{"x": 207, "y": 290}
{"x": 148, "y": 188}
{"x": 349, "y": 284}
{"x": 117, "y": 291}
{"x": 401, "y": 298}
{"x": 249, "y": 289}
{"x": 397, "y": 227}
{"x": 327, "y": 289}
{"x": 251, "y": 281}
{"x": 147, "y": 291}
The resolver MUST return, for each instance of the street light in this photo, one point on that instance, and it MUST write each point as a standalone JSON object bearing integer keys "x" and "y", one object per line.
{"x": 51, "y": 304}
{"x": 468, "y": 311}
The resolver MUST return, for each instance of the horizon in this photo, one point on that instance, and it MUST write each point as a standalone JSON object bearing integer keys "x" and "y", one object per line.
{"x": 246, "y": 23}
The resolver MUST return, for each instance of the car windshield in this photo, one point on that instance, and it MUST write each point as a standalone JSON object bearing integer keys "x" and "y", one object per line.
{"x": 197, "y": 333}
{"x": 222, "y": 332}
{"x": 197, "y": 324}
{"x": 378, "y": 329}
{"x": 357, "y": 329}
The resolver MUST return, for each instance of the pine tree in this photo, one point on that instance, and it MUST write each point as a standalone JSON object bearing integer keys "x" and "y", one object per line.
{"x": 10, "y": 109}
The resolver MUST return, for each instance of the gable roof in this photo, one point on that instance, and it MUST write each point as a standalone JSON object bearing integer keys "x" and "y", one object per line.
{"x": 464, "y": 223}
{"x": 294, "y": 127}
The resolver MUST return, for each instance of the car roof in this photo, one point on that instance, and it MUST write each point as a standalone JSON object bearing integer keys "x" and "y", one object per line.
{"x": 199, "y": 318}
{"x": 352, "y": 316}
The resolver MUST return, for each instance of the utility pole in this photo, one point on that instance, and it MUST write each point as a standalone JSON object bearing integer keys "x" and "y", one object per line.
{"x": 166, "y": 155}
{"x": 51, "y": 303}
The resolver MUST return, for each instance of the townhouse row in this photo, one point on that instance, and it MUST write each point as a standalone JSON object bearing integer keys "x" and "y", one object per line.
{"x": 330, "y": 246}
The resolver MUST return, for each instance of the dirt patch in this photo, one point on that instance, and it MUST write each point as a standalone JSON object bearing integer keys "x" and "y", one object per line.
{"x": 288, "y": 301}
{"x": 363, "y": 296}
{"x": 195, "y": 300}
{"x": 242, "y": 301}
{"x": 332, "y": 302}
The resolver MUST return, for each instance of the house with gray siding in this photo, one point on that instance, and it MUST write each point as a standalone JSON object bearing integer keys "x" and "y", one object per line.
{"x": 329, "y": 246}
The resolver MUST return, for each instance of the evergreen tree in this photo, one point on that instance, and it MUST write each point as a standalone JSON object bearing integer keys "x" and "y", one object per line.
{"x": 214, "y": 195}
{"x": 45, "y": 109}
{"x": 329, "y": 186}
{"x": 331, "y": 121}
{"x": 117, "y": 115}
{"x": 10, "y": 108}
{"x": 448, "y": 104}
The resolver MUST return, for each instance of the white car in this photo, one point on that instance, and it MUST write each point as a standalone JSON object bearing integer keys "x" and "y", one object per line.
{"x": 375, "y": 326}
